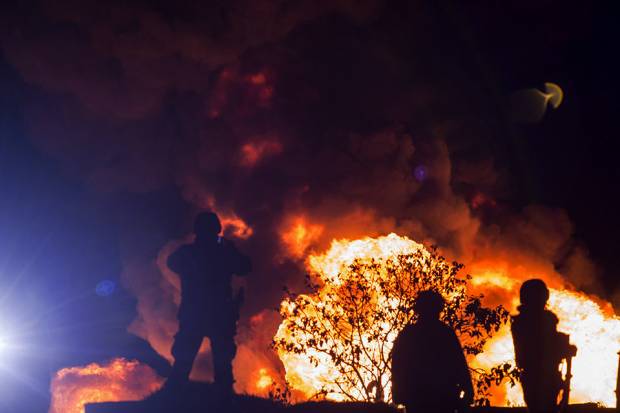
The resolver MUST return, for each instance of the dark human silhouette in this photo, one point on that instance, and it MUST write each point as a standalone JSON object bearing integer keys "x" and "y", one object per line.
{"x": 208, "y": 307}
{"x": 539, "y": 348}
{"x": 429, "y": 370}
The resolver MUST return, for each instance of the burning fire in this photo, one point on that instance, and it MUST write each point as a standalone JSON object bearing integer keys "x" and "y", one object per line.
{"x": 264, "y": 380}
{"x": 301, "y": 374}
{"x": 119, "y": 380}
{"x": 592, "y": 326}
{"x": 299, "y": 235}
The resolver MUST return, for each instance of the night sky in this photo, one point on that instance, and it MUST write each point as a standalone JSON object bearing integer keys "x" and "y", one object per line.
{"x": 118, "y": 122}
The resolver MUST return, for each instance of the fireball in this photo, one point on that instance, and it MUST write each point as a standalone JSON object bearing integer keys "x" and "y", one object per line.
{"x": 591, "y": 324}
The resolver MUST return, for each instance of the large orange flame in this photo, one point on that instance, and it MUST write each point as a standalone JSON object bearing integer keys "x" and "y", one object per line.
{"x": 332, "y": 266}
{"x": 119, "y": 380}
{"x": 591, "y": 324}
{"x": 593, "y": 328}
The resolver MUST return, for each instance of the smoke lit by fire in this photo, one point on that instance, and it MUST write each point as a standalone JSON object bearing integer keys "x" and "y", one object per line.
{"x": 251, "y": 112}
{"x": 234, "y": 225}
{"x": 299, "y": 235}
{"x": 74, "y": 387}
{"x": 255, "y": 151}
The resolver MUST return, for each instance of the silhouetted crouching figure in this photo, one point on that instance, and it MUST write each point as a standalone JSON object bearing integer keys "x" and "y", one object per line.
{"x": 429, "y": 370}
{"x": 207, "y": 305}
{"x": 539, "y": 348}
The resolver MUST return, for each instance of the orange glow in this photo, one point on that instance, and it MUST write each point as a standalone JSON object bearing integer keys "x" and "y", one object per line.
{"x": 265, "y": 94}
{"x": 232, "y": 224}
{"x": 592, "y": 327}
{"x": 254, "y": 152}
{"x": 299, "y": 235}
{"x": 261, "y": 87}
{"x": 480, "y": 199}
{"x": 258, "y": 78}
{"x": 591, "y": 323}
{"x": 264, "y": 381}
{"x": 119, "y": 380}
{"x": 301, "y": 374}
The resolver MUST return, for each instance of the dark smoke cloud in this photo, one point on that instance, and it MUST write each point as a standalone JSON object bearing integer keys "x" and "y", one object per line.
{"x": 152, "y": 106}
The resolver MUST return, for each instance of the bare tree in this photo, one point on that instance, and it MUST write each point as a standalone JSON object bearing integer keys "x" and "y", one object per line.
{"x": 349, "y": 321}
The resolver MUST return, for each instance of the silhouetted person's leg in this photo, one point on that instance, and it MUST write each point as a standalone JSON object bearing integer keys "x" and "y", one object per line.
{"x": 184, "y": 350}
{"x": 224, "y": 349}
{"x": 538, "y": 398}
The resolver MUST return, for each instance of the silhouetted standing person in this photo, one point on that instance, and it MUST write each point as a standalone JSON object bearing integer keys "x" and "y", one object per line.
{"x": 207, "y": 306}
{"x": 429, "y": 370}
{"x": 539, "y": 348}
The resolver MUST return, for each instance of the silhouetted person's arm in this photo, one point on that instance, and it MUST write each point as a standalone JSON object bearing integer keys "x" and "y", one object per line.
{"x": 400, "y": 366}
{"x": 177, "y": 261}
{"x": 520, "y": 340}
{"x": 239, "y": 263}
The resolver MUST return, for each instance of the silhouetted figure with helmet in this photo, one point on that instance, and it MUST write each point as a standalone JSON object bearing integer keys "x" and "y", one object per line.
{"x": 429, "y": 370}
{"x": 539, "y": 349}
{"x": 208, "y": 307}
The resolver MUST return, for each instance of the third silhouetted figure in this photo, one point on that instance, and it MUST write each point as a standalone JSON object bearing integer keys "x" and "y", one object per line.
{"x": 429, "y": 371}
{"x": 208, "y": 307}
{"x": 539, "y": 348}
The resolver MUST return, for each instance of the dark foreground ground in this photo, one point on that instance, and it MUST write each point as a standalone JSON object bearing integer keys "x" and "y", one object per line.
{"x": 200, "y": 398}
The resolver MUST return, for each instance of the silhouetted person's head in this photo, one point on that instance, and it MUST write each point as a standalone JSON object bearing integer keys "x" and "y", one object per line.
{"x": 534, "y": 294}
{"x": 429, "y": 305}
{"x": 207, "y": 226}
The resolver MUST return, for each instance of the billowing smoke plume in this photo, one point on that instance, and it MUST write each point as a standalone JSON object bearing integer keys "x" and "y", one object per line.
{"x": 342, "y": 118}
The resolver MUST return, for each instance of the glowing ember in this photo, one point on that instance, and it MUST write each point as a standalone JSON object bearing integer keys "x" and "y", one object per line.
{"x": 593, "y": 327}
{"x": 74, "y": 387}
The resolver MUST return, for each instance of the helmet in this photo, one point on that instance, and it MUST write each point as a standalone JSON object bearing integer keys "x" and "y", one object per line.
{"x": 429, "y": 304}
{"x": 534, "y": 293}
{"x": 206, "y": 224}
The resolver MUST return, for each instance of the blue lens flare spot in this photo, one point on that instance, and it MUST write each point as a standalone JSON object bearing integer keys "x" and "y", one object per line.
{"x": 105, "y": 288}
{"x": 420, "y": 173}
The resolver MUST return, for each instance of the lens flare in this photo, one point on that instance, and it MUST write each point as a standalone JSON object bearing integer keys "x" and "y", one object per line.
{"x": 554, "y": 94}
{"x": 530, "y": 105}
{"x": 105, "y": 288}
